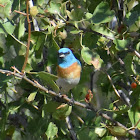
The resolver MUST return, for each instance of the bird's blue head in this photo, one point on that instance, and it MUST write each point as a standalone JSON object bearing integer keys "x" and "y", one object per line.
{"x": 66, "y": 58}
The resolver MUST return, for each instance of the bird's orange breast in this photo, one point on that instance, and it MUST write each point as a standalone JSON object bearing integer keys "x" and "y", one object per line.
{"x": 72, "y": 71}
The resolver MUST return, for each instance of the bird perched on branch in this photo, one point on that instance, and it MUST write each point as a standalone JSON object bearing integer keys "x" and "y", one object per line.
{"x": 68, "y": 70}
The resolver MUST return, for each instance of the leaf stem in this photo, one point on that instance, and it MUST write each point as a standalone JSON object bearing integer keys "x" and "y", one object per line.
{"x": 18, "y": 40}
{"x": 81, "y": 40}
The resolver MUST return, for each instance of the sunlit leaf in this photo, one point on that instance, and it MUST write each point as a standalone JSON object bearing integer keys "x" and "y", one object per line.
{"x": 62, "y": 111}
{"x": 75, "y": 14}
{"x": 31, "y": 97}
{"x": 109, "y": 138}
{"x": 91, "y": 57}
{"x": 117, "y": 130}
{"x": 5, "y": 11}
{"x": 54, "y": 8}
{"x": 52, "y": 130}
{"x": 8, "y": 26}
{"x": 34, "y": 11}
{"x": 103, "y": 30}
{"x": 87, "y": 55}
{"x": 100, "y": 131}
{"x": 89, "y": 15}
{"x": 21, "y": 30}
{"x": 121, "y": 44}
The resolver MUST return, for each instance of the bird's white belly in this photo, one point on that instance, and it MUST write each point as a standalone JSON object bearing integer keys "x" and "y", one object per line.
{"x": 67, "y": 84}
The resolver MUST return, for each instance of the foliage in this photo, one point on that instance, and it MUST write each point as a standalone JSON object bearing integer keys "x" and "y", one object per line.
{"x": 103, "y": 35}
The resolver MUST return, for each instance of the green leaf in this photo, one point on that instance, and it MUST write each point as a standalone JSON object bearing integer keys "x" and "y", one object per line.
{"x": 16, "y": 135}
{"x": 121, "y": 44}
{"x": 31, "y": 97}
{"x": 88, "y": 40}
{"x": 55, "y": 44}
{"x": 75, "y": 14}
{"x": 62, "y": 112}
{"x": 51, "y": 106}
{"x": 133, "y": 15}
{"x": 5, "y": 11}
{"x": 38, "y": 39}
{"x": 100, "y": 131}
{"x": 89, "y": 15}
{"x": 21, "y": 29}
{"x": 86, "y": 133}
{"x": 91, "y": 57}
{"x": 51, "y": 131}
{"x": 54, "y": 8}
{"x": 134, "y": 114}
{"x": 34, "y": 11}
{"x": 7, "y": 8}
{"x": 75, "y": 31}
{"x": 103, "y": 30}
{"x": 109, "y": 138}
{"x": 128, "y": 64}
{"x": 1, "y": 52}
{"x": 52, "y": 50}
{"x": 87, "y": 55}
{"x": 40, "y": 2}
{"x": 49, "y": 79}
{"x": 102, "y": 13}
{"x": 117, "y": 131}
{"x": 8, "y": 26}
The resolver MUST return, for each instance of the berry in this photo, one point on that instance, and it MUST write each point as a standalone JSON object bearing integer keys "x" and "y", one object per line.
{"x": 133, "y": 85}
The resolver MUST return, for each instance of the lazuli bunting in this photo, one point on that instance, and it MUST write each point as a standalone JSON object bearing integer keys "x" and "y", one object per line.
{"x": 68, "y": 70}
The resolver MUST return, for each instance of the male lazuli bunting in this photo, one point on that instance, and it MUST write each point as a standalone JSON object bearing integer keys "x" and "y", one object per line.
{"x": 68, "y": 70}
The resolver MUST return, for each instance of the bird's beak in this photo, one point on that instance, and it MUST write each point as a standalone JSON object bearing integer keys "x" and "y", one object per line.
{"x": 61, "y": 55}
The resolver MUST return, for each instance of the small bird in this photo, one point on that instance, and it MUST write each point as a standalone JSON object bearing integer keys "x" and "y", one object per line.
{"x": 68, "y": 70}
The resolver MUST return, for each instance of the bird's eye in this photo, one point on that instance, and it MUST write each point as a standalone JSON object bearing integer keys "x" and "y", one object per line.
{"x": 60, "y": 53}
{"x": 67, "y": 53}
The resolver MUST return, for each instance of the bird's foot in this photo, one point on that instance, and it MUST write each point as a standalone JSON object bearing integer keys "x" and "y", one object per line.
{"x": 71, "y": 102}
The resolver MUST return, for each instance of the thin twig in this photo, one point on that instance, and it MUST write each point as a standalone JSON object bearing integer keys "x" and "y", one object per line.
{"x": 2, "y": 5}
{"x": 136, "y": 53}
{"x": 78, "y": 117}
{"x": 117, "y": 123}
{"x": 117, "y": 93}
{"x": 65, "y": 98}
{"x": 29, "y": 37}
{"x": 20, "y": 12}
{"x": 137, "y": 123}
{"x": 18, "y": 40}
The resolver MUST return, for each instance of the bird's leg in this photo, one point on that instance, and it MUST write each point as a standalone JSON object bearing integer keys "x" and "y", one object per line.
{"x": 72, "y": 99}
